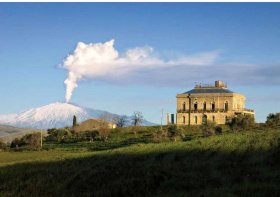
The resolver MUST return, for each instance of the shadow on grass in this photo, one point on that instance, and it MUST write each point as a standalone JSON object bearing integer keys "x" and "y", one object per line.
{"x": 168, "y": 173}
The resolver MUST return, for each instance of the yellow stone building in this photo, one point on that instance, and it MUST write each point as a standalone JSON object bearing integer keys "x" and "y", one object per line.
{"x": 209, "y": 103}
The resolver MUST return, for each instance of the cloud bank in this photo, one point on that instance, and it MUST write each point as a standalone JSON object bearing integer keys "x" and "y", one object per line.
{"x": 101, "y": 61}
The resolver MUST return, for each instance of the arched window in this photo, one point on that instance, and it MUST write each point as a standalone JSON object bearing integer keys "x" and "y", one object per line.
{"x": 213, "y": 118}
{"x": 184, "y": 120}
{"x": 184, "y": 106}
{"x": 204, "y": 106}
{"x": 195, "y": 106}
{"x": 204, "y": 119}
{"x": 195, "y": 119}
{"x": 226, "y": 106}
{"x": 213, "y": 106}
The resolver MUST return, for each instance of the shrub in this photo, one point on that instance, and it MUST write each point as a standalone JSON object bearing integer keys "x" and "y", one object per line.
{"x": 104, "y": 130}
{"x": 173, "y": 132}
{"x": 59, "y": 135}
{"x": 160, "y": 136}
{"x": 15, "y": 143}
{"x": 273, "y": 120}
{"x": 208, "y": 128}
{"x": 90, "y": 135}
{"x": 3, "y": 146}
{"x": 34, "y": 140}
{"x": 240, "y": 122}
{"x": 218, "y": 130}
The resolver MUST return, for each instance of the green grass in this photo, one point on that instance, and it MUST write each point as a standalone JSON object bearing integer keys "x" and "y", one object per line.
{"x": 231, "y": 164}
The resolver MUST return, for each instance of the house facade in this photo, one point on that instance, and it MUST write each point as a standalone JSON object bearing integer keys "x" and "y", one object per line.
{"x": 209, "y": 103}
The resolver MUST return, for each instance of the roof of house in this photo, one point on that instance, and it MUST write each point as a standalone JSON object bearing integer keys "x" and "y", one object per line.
{"x": 208, "y": 90}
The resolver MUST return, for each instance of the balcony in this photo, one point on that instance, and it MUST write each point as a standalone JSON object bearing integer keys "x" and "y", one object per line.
{"x": 201, "y": 111}
{"x": 247, "y": 111}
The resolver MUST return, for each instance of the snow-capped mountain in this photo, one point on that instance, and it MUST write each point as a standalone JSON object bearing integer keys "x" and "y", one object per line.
{"x": 54, "y": 115}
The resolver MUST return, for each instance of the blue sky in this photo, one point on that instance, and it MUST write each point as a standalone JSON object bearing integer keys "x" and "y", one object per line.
{"x": 36, "y": 37}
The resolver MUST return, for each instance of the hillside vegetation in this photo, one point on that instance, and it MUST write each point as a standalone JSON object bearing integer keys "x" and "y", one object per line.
{"x": 8, "y": 133}
{"x": 147, "y": 163}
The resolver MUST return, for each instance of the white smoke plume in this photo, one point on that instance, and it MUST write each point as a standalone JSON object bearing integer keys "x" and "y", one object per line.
{"x": 103, "y": 61}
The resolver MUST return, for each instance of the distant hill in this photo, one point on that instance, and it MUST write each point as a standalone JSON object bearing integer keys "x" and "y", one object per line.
{"x": 8, "y": 133}
{"x": 54, "y": 115}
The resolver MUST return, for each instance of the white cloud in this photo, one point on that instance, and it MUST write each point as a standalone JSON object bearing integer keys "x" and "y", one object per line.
{"x": 102, "y": 61}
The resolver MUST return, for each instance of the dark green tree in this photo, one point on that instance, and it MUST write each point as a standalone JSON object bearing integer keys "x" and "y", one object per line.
{"x": 241, "y": 122}
{"x": 273, "y": 120}
{"x": 74, "y": 121}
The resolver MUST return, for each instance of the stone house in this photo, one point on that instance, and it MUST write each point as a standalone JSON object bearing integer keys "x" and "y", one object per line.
{"x": 209, "y": 103}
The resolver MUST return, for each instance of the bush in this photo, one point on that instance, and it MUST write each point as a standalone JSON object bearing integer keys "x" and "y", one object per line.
{"x": 208, "y": 128}
{"x": 241, "y": 122}
{"x": 3, "y": 146}
{"x": 15, "y": 143}
{"x": 104, "y": 130}
{"x": 218, "y": 130}
{"x": 88, "y": 136}
{"x": 32, "y": 141}
{"x": 273, "y": 120}
{"x": 160, "y": 136}
{"x": 173, "y": 132}
{"x": 60, "y": 135}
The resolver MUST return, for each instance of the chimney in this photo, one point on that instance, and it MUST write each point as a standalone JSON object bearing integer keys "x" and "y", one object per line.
{"x": 219, "y": 84}
{"x": 167, "y": 119}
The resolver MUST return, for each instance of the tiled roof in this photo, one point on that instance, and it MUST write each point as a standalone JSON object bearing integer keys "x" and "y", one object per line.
{"x": 208, "y": 90}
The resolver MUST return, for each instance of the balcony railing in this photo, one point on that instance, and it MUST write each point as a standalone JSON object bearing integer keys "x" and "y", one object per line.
{"x": 201, "y": 111}
{"x": 212, "y": 111}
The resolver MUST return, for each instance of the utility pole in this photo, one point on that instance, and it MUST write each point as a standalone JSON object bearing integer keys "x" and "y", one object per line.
{"x": 41, "y": 138}
{"x": 161, "y": 119}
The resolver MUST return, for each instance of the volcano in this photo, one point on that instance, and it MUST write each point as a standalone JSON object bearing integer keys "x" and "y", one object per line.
{"x": 54, "y": 115}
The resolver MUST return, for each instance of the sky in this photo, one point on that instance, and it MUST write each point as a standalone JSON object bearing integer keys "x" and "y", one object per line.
{"x": 156, "y": 51}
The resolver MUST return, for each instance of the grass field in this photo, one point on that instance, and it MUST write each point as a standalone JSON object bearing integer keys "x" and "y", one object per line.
{"x": 231, "y": 164}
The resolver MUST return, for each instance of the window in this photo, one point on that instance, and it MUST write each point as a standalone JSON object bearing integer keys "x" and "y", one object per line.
{"x": 204, "y": 106}
{"x": 213, "y": 106}
{"x": 184, "y": 120}
{"x": 195, "y": 106}
{"x": 226, "y": 106}
{"x": 204, "y": 119}
{"x": 195, "y": 119}
{"x": 184, "y": 106}
{"x": 213, "y": 118}
{"x": 226, "y": 119}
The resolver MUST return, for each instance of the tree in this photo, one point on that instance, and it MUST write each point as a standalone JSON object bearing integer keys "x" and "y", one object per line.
{"x": 273, "y": 119}
{"x": 137, "y": 118}
{"x": 121, "y": 121}
{"x": 104, "y": 130}
{"x": 74, "y": 121}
